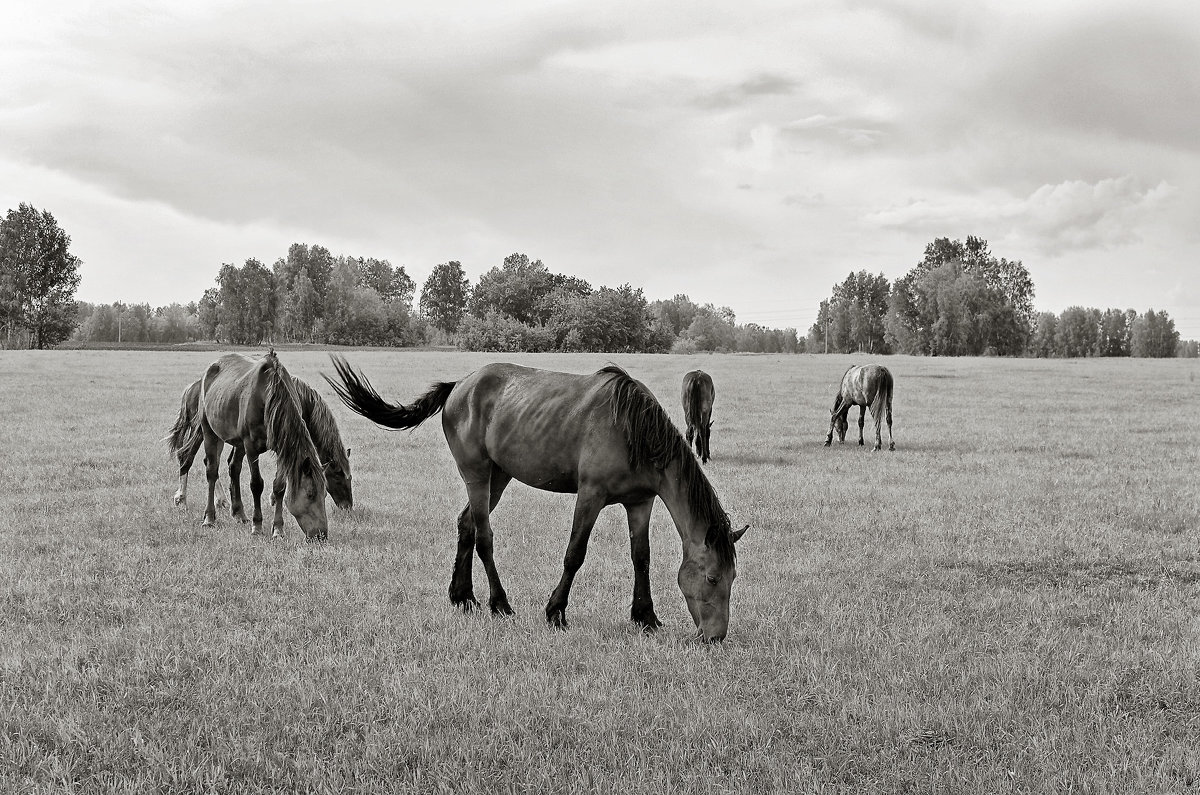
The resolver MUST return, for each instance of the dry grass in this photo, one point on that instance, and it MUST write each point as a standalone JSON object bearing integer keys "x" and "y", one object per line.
{"x": 1007, "y": 603}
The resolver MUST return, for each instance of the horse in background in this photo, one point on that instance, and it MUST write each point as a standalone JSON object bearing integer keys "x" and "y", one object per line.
{"x": 864, "y": 386}
{"x": 698, "y": 396}
{"x": 183, "y": 442}
{"x": 254, "y": 406}
{"x": 603, "y": 437}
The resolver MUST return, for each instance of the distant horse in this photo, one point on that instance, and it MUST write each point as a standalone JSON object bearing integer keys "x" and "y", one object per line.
{"x": 254, "y": 405}
{"x": 698, "y": 395}
{"x": 603, "y": 437}
{"x": 863, "y": 386}
{"x": 184, "y": 441}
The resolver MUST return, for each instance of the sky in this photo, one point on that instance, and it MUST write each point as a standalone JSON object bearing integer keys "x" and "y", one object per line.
{"x": 747, "y": 154}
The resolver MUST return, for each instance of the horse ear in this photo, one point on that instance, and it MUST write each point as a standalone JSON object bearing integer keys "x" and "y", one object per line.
{"x": 737, "y": 535}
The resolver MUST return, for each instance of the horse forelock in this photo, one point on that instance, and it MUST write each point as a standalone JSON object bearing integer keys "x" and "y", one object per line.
{"x": 653, "y": 440}
{"x": 322, "y": 426}
{"x": 287, "y": 433}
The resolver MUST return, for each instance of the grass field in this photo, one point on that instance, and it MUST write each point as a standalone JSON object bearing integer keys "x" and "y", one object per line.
{"x": 1009, "y": 602}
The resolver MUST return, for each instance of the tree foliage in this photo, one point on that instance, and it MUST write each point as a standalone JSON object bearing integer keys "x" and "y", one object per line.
{"x": 444, "y": 296}
{"x": 38, "y": 278}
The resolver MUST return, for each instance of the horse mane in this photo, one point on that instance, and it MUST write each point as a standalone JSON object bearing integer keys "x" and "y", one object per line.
{"x": 653, "y": 440}
{"x": 287, "y": 433}
{"x": 321, "y": 424}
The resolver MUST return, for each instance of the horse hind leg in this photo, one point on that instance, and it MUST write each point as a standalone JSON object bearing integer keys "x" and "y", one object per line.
{"x": 588, "y": 503}
{"x": 862, "y": 417}
{"x": 236, "y": 508}
{"x": 462, "y": 593}
{"x": 212, "y": 465}
{"x": 186, "y": 455}
{"x": 475, "y": 535}
{"x": 891, "y": 441}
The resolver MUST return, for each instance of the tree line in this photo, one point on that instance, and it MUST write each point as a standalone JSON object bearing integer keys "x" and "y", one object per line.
{"x": 312, "y": 296}
{"x": 959, "y": 300}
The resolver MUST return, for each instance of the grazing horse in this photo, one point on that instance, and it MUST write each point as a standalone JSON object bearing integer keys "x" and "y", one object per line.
{"x": 602, "y": 437}
{"x": 863, "y": 386}
{"x": 254, "y": 406}
{"x": 184, "y": 441}
{"x": 698, "y": 395}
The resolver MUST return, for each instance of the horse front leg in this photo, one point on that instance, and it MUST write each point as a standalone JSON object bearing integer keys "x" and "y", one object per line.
{"x": 642, "y": 611}
{"x": 587, "y": 507}
{"x": 236, "y": 509}
{"x": 278, "y": 489}
{"x": 256, "y": 490}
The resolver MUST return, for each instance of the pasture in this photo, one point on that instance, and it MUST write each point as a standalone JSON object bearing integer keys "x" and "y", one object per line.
{"x": 1009, "y": 602}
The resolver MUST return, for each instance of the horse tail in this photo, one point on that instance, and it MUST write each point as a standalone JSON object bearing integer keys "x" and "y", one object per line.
{"x": 184, "y": 432}
{"x": 695, "y": 403}
{"x": 883, "y": 397}
{"x": 360, "y": 397}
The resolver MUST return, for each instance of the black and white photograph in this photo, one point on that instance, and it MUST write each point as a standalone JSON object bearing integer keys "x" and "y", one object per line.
{"x": 559, "y": 397}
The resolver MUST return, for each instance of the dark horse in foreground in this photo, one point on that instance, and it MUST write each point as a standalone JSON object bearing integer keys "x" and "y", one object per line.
{"x": 602, "y": 437}
{"x": 698, "y": 395}
{"x": 254, "y": 405}
{"x": 864, "y": 386}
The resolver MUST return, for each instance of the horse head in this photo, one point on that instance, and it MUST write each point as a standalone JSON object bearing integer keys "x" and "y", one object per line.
{"x": 841, "y": 424}
{"x": 306, "y": 502}
{"x": 337, "y": 481}
{"x": 706, "y": 579}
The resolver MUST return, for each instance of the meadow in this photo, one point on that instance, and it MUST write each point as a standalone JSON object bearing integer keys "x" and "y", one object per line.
{"x": 1009, "y": 602}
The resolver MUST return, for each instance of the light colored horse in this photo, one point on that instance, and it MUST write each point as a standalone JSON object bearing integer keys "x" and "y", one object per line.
{"x": 863, "y": 385}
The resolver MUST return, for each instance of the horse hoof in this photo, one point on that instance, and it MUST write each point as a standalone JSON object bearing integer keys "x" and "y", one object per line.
{"x": 648, "y": 623}
{"x": 557, "y": 618}
{"x": 179, "y": 499}
{"x": 891, "y": 447}
{"x": 500, "y": 607}
{"x": 466, "y": 603}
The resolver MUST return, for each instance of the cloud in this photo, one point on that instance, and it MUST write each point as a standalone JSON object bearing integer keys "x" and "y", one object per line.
{"x": 1072, "y": 215}
{"x": 1132, "y": 74}
{"x": 760, "y": 85}
{"x": 838, "y": 131}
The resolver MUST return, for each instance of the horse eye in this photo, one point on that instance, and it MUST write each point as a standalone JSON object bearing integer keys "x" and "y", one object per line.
{"x": 712, "y": 580}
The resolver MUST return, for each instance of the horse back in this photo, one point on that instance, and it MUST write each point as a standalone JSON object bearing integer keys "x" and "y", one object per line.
{"x": 547, "y": 429}
{"x": 863, "y": 384}
{"x": 231, "y": 399}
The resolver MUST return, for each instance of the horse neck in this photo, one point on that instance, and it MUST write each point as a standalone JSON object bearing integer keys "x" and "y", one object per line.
{"x": 676, "y": 490}
{"x": 284, "y": 416}
{"x": 321, "y": 425}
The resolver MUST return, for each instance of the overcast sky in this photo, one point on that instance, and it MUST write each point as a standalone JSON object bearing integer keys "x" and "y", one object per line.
{"x": 748, "y": 154}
